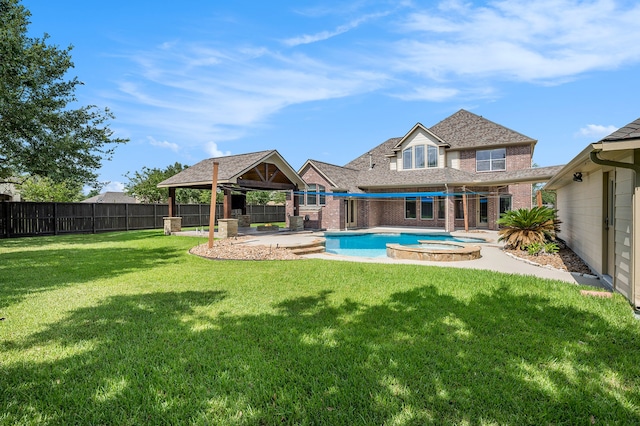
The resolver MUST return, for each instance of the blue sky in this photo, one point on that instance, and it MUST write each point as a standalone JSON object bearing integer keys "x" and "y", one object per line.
{"x": 329, "y": 80}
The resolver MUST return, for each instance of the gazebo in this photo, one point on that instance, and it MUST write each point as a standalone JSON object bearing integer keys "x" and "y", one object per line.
{"x": 237, "y": 175}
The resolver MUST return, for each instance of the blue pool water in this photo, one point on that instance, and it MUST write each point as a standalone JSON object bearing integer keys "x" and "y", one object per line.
{"x": 375, "y": 245}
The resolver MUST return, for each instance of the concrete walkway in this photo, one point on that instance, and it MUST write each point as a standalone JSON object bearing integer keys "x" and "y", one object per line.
{"x": 493, "y": 257}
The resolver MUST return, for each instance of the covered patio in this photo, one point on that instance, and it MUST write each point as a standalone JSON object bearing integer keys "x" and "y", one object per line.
{"x": 237, "y": 175}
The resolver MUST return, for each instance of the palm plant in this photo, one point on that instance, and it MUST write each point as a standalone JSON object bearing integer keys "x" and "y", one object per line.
{"x": 523, "y": 227}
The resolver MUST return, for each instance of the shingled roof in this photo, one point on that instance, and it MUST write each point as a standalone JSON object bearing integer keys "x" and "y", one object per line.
{"x": 231, "y": 170}
{"x": 630, "y": 131}
{"x": 342, "y": 178}
{"x": 112, "y": 197}
{"x": 464, "y": 129}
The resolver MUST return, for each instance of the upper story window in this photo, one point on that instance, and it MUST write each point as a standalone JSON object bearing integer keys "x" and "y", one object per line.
{"x": 432, "y": 152}
{"x": 314, "y": 196}
{"x": 414, "y": 157}
{"x": 407, "y": 158}
{"x": 491, "y": 160}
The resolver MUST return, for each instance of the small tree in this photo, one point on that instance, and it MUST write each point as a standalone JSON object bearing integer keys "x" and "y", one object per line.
{"x": 37, "y": 188}
{"x": 144, "y": 186}
{"x": 523, "y": 227}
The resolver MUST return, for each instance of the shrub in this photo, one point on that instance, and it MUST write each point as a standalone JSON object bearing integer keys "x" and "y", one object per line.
{"x": 523, "y": 227}
{"x": 551, "y": 247}
{"x": 534, "y": 248}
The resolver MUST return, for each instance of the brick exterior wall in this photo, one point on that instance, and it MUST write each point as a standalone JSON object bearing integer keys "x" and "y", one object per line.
{"x": 518, "y": 158}
{"x": 383, "y": 212}
{"x": 329, "y": 216}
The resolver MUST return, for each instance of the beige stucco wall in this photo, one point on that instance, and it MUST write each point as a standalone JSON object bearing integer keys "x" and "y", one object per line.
{"x": 580, "y": 210}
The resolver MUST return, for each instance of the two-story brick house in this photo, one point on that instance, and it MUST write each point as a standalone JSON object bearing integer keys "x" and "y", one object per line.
{"x": 462, "y": 172}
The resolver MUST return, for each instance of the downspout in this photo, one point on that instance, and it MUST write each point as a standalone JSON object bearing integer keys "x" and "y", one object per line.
{"x": 593, "y": 155}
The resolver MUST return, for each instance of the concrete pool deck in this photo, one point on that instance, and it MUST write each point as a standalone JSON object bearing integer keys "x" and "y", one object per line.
{"x": 492, "y": 256}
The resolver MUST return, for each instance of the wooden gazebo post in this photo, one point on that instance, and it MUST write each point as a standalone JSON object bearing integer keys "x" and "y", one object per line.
{"x": 212, "y": 211}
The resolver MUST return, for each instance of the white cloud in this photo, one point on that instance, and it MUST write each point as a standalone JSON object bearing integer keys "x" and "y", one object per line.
{"x": 164, "y": 144}
{"x": 324, "y": 35}
{"x": 196, "y": 92}
{"x": 519, "y": 40}
{"x": 435, "y": 94}
{"x": 114, "y": 187}
{"x": 180, "y": 93}
{"x": 596, "y": 131}
{"x": 213, "y": 151}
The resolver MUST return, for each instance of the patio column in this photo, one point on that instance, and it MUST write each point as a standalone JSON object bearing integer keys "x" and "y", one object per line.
{"x": 449, "y": 213}
{"x": 226, "y": 206}
{"x": 173, "y": 210}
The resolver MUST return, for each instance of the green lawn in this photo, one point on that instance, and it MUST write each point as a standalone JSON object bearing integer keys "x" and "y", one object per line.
{"x": 127, "y": 328}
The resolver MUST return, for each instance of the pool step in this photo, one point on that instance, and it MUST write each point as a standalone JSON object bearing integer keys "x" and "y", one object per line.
{"x": 316, "y": 246}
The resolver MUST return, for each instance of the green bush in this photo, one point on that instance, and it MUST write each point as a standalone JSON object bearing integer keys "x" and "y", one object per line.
{"x": 534, "y": 248}
{"x": 523, "y": 227}
{"x": 551, "y": 247}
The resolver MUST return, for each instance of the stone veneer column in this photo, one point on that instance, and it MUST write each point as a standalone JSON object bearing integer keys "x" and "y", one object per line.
{"x": 227, "y": 228}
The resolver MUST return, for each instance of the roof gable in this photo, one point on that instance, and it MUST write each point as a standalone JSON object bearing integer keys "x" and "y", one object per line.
{"x": 339, "y": 177}
{"x": 233, "y": 168}
{"x": 417, "y": 129}
{"x": 464, "y": 129}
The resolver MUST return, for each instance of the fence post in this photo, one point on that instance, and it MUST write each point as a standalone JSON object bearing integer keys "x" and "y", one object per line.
{"x": 93, "y": 218}
{"x": 55, "y": 218}
{"x": 5, "y": 218}
{"x": 126, "y": 215}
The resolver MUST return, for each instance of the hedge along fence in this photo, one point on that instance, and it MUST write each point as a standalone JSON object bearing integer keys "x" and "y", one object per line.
{"x": 26, "y": 219}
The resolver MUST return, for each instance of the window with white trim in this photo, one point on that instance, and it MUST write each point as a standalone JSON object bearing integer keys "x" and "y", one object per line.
{"x": 314, "y": 196}
{"x": 432, "y": 154}
{"x": 407, "y": 158}
{"x": 410, "y": 208}
{"x": 419, "y": 154}
{"x": 416, "y": 158}
{"x": 505, "y": 203}
{"x": 426, "y": 207}
{"x": 491, "y": 160}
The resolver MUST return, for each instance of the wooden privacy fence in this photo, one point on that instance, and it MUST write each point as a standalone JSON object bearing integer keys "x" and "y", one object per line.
{"x": 24, "y": 219}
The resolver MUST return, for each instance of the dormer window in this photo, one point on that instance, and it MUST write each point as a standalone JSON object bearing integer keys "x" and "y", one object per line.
{"x": 491, "y": 160}
{"x": 407, "y": 158}
{"x": 414, "y": 157}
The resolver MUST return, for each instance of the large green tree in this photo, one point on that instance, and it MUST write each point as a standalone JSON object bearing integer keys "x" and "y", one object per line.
{"x": 40, "y": 133}
{"x": 143, "y": 185}
{"x": 36, "y": 188}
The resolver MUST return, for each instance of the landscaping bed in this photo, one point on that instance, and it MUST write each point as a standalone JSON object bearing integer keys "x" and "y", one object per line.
{"x": 565, "y": 260}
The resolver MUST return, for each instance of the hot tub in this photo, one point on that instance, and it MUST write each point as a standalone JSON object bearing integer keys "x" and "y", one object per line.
{"x": 438, "y": 251}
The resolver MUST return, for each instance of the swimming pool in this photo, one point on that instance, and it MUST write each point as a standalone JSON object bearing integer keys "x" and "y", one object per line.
{"x": 375, "y": 244}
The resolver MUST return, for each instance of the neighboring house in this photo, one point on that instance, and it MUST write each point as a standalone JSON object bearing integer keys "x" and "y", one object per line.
{"x": 598, "y": 203}
{"x": 9, "y": 192}
{"x": 112, "y": 197}
{"x": 461, "y": 173}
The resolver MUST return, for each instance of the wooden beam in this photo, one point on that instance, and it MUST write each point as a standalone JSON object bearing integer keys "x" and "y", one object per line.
{"x": 172, "y": 202}
{"x": 256, "y": 184}
{"x": 212, "y": 211}
{"x": 274, "y": 175}
{"x": 259, "y": 174}
{"x": 227, "y": 204}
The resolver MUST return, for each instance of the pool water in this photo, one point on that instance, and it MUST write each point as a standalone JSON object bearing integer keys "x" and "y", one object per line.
{"x": 375, "y": 244}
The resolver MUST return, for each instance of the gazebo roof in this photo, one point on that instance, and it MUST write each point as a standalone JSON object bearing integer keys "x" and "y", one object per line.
{"x": 263, "y": 170}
